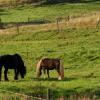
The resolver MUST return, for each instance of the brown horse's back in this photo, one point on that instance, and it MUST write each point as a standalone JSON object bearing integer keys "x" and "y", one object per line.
{"x": 50, "y": 63}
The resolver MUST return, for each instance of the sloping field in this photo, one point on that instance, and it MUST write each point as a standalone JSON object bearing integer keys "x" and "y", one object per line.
{"x": 78, "y": 48}
{"x": 48, "y": 12}
{"x": 5, "y": 1}
{"x": 8, "y": 3}
{"x": 86, "y": 21}
{"x": 77, "y": 44}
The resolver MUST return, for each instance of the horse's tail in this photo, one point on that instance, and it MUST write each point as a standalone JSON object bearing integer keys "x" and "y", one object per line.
{"x": 0, "y": 67}
{"x": 61, "y": 69}
{"x": 2, "y": 60}
{"x": 38, "y": 69}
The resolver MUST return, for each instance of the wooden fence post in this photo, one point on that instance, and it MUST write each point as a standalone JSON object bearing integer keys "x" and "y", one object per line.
{"x": 58, "y": 27}
{"x": 58, "y": 24}
{"x": 28, "y": 53}
{"x": 0, "y": 20}
{"x": 17, "y": 27}
{"x": 28, "y": 19}
{"x": 68, "y": 18}
{"x": 48, "y": 94}
{"x": 1, "y": 24}
{"x": 98, "y": 23}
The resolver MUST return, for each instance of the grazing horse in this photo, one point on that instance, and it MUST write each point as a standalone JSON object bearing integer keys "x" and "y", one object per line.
{"x": 12, "y": 62}
{"x": 50, "y": 64}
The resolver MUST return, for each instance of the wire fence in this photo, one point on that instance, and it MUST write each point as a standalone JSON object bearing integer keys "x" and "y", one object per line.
{"x": 20, "y": 96}
{"x": 59, "y": 24}
{"x": 8, "y": 95}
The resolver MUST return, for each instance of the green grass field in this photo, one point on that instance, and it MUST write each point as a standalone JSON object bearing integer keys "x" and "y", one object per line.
{"x": 49, "y": 12}
{"x": 77, "y": 47}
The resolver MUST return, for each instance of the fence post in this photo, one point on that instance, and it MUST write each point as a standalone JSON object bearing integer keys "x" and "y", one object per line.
{"x": 1, "y": 24}
{"x": 48, "y": 94}
{"x": 27, "y": 54}
{"x": 0, "y": 20}
{"x": 17, "y": 27}
{"x": 98, "y": 23}
{"x": 58, "y": 27}
{"x": 68, "y": 18}
{"x": 28, "y": 19}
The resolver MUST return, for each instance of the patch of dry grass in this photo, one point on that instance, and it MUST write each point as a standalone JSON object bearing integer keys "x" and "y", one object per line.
{"x": 15, "y": 2}
{"x": 10, "y": 2}
{"x": 86, "y": 21}
{"x": 7, "y": 2}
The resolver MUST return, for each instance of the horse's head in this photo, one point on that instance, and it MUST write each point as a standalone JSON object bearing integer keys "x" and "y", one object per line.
{"x": 23, "y": 71}
{"x": 21, "y": 68}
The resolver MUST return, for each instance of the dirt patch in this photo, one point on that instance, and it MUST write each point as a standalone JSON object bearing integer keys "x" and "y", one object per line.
{"x": 3, "y": 32}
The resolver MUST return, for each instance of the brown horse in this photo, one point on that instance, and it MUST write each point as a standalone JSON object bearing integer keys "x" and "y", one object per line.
{"x": 50, "y": 64}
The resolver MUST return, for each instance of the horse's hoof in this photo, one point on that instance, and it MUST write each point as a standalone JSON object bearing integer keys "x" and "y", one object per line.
{"x": 6, "y": 80}
{"x": 59, "y": 78}
{"x": 16, "y": 79}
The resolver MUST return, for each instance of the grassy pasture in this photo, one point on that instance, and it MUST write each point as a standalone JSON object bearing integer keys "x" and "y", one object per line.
{"x": 77, "y": 47}
{"x": 50, "y": 12}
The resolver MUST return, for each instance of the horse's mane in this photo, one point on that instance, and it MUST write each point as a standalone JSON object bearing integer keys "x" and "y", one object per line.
{"x": 19, "y": 58}
{"x": 38, "y": 67}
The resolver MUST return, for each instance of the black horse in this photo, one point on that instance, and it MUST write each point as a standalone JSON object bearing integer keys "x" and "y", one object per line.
{"x": 12, "y": 62}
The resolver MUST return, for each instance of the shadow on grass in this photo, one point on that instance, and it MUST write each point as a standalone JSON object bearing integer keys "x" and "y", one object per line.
{"x": 53, "y": 79}
{"x": 3, "y": 12}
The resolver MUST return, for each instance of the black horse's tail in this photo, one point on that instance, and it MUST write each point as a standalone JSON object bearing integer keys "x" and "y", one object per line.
{"x": 0, "y": 67}
{"x": 22, "y": 68}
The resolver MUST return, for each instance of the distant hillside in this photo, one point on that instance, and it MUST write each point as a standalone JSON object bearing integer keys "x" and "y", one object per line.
{"x": 16, "y": 2}
{"x": 39, "y": 2}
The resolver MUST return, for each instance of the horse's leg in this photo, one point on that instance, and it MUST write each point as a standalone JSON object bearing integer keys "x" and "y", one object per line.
{"x": 44, "y": 70}
{"x": 5, "y": 74}
{"x": 16, "y": 74}
{"x": 15, "y": 77}
{"x": 59, "y": 77}
{"x": 0, "y": 73}
{"x": 48, "y": 73}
